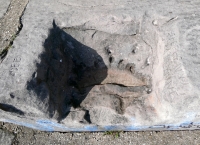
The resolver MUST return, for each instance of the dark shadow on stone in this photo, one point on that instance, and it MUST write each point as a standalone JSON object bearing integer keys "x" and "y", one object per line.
{"x": 87, "y": 116}
{"x": 65, "y": 74}
{"x": 10, "y": 108}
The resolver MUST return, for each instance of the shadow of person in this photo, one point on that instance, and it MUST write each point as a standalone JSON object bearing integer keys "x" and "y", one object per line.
{"x": 69, "y": 70}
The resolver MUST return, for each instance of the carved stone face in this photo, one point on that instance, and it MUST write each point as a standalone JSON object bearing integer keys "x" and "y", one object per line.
{"x": 109, "y": 62}
{"x": 126, "y": 61}
{"x": 88, "y": 68}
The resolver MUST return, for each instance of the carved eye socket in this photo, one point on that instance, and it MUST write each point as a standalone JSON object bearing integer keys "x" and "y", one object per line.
{"x": 148, "y": 61}
{"x": 111, "y": 59}
{"x": 120, "y": 61}
{"x": 130, "y": 67}
{"x": 121, "y": 64}
{"x": 135, "y": 49}
{"x": 108, "y": 50}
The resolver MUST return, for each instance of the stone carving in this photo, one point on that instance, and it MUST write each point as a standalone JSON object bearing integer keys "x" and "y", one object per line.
{"x": 102, "y": 65}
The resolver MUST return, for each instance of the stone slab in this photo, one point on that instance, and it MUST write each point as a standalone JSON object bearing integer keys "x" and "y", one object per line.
{"x": 3, "y": 7}
{"x": 103, "y": 65}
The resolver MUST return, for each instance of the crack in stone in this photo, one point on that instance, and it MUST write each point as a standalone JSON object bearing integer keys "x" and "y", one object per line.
{"x": 4, "y": 53}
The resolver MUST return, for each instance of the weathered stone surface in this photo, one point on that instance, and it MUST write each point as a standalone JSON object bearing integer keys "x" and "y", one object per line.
{"x": 93, "y": 65}
{"x": 10, "y": 23}
{"x": 6, "y": 138}
{"x": 3, "y": 7}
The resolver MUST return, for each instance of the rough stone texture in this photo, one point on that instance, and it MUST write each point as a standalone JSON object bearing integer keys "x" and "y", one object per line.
{"x": 3, "y": 7}
{"x": 10, "y": 23}
{"x": 6, "y": 138}
{"x": 103, "y": 65}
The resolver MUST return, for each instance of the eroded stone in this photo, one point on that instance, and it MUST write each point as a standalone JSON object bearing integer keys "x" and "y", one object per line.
{"x": 114, "y": 63}
{"x": 3, "y": 7}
